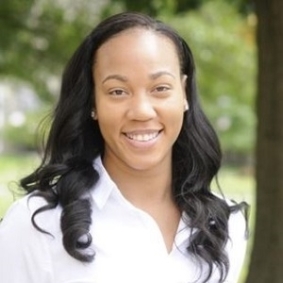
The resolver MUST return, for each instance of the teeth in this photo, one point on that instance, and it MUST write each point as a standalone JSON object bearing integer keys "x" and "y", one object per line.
{"x": 142, "y": 137}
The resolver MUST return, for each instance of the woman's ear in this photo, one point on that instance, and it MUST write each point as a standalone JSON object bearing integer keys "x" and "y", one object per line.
{"x": 184, "y": 83}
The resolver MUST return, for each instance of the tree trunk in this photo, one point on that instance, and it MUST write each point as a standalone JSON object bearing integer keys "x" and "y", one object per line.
{"x": 266, "y": 264}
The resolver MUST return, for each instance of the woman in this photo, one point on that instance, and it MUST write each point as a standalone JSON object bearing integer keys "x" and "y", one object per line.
{"x": 123, "y": 192}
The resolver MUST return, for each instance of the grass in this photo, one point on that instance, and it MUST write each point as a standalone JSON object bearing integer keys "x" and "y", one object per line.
{"x": 236, "y": 184}
{"x": 12, "y": 169}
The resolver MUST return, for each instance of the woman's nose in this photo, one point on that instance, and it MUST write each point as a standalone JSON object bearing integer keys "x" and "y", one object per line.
{"x": 141, "y": 107}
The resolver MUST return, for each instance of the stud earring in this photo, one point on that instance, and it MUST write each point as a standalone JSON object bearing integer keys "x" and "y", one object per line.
{"x": 186, "y": 106}
{"x": 93, "y": 115}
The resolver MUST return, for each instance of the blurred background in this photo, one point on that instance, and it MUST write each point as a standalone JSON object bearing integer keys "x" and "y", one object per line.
{"x": 38, "y": 37}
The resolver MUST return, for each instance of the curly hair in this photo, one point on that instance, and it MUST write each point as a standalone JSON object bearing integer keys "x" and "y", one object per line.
{"x": 66, "y": 174}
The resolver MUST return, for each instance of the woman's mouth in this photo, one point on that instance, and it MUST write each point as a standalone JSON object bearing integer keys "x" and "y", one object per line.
{"x": 142, "y": 137}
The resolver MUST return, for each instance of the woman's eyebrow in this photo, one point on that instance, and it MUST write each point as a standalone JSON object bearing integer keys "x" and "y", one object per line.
{"x": 115, "y": 77}
{"x": 158, "y": 74}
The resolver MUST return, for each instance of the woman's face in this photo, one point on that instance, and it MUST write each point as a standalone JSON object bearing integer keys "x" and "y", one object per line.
{"x": 139, "y": 98}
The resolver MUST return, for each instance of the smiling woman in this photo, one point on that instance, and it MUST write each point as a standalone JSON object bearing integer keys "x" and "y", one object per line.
{"x": 145, "y": 95}
{"x": 123, "y": 191}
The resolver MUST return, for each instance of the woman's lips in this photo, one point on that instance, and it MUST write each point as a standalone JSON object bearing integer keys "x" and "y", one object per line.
{"x": 142, "y": 137}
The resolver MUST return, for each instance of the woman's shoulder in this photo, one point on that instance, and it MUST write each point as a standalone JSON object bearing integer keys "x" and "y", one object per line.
{"x": 21, "y": 244}
{"x": 19, "y": 215}
{"x": 25, "y": 205}
{"x": 238, "y": 216}
{"x": 21, "y": 208}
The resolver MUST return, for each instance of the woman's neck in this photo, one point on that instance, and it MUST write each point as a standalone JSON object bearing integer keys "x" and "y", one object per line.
{"x": 142, "y": 187}
{"x": 150, "y": 191}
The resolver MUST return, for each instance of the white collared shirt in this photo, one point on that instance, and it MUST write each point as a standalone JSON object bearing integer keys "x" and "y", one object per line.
{"x": 127, "y": 241}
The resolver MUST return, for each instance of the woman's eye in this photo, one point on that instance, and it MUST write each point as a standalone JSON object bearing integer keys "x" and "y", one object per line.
{"x": 162, "y": 88}
{"x": 117, "y": 92}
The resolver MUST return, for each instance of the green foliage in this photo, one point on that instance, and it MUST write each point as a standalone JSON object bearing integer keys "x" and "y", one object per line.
{"x": 223, "y": 46}
{"x": 150, "y": 7}
{"x": 171, "y": 7}
{"x": 38, "y": 37}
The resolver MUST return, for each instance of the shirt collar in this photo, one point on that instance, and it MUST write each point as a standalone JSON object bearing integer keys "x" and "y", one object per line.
{"x": 104, "y": 186}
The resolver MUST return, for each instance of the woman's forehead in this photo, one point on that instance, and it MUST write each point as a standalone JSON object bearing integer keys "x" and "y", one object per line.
{"x": 138, "y": 44}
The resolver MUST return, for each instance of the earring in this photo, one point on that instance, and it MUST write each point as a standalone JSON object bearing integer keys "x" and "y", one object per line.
{"x": 93, "y": 115}
{"x": 186, "y": 106}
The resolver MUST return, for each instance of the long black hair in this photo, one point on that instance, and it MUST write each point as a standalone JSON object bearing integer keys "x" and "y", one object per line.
{"x": 66, "y": 174}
